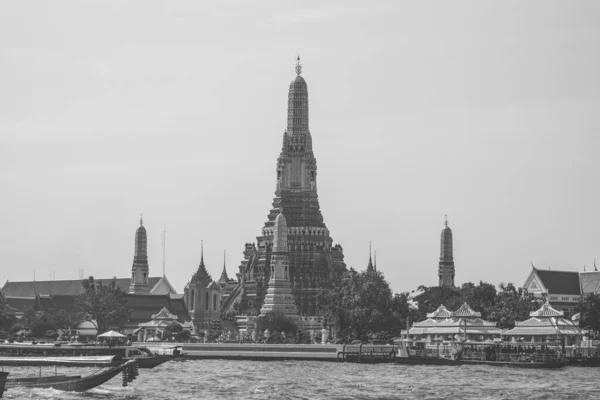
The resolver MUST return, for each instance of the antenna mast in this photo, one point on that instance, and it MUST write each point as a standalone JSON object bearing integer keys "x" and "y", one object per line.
{"x": 164, "y": 249}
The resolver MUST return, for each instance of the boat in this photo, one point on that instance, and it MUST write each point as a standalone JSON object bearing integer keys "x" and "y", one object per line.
{"x": 3, "y": 376}
{"x": 414, "y": 352}
{"x": 513, "y": 354}
{"x": 65, "y": 361}
{"x": 77, "y": 383}
{"x": 146, "y": 359}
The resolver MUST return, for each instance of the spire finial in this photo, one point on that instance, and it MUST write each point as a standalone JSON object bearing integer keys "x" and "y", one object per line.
{"x": 224, "y": 258}
{"x": 298, "y": 66}
{"x": 375, "y": 261}
{"x": 370, "y": 265}
{"x": 446, "y": 219}
{"x": 202, "y": 252}
{"x": 141, "y": 220}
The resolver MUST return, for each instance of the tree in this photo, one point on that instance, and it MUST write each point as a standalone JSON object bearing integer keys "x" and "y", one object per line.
{"x": 589, "y": 313}
{"x": 275, "y": 321}
{"x": 41, "y": 321}
{"x": 361, "y": 303}
{"x": 480, "y": 298}
{"x": 512, "y": 304}
{"x": 7, "y": 317}
{"x": 104, "y": 303}
{"x": 432, "y": 297}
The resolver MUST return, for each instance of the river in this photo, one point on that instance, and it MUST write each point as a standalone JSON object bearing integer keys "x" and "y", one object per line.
{"x": 228, "y": 379}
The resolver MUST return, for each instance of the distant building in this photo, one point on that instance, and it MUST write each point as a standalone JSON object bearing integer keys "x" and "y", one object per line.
{"x": 202, "y": 296}
{"x": 563, "y": 289}
{"x": 145, "y": 295}
{"x": 446, "y": 265}
{"x": 443, "y": 324}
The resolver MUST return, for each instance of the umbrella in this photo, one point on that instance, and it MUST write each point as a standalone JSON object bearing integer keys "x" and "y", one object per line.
{"x": 111, "y": 334}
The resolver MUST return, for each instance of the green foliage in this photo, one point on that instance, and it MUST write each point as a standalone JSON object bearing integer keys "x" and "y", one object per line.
{"x": 275, "y": 321}
{"x": 480, "y": 298}
{"x": 512, "y": 304}
{"x": 7, "y": 317}
{"x": 104, "y": 303}
{"x": 432, "y": 297}
{"x": 589, "y": 309}
{"x": 41, "y": 321}
{"x": 362, "y": 303}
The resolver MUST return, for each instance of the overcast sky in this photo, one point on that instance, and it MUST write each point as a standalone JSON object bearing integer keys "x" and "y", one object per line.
{"x": 488, "y": 111}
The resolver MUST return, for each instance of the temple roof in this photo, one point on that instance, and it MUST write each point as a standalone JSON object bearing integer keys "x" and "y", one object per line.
{"x": 560, "y": 282}
{"x": 441, "y": 312}
{"x": 63, "y": 287}
{"x": 466, "y": 311}
{"x": 546, "y": 311}
{"x": 164, "y": 314}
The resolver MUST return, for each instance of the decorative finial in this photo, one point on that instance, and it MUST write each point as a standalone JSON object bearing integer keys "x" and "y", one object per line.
{"x": 202, "y": 252}
{"x": 224, "y": 258}
{"x": 141, "y": 220}
{"x": 298, "y": 66}
{"x": 595, "y": 268}
{"x": 446, "y": 218}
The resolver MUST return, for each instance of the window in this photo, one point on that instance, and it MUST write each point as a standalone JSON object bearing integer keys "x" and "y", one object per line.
{"x": 214, "y": 302}
{"x": 206, "y": 299}
{"x": 192, "y": 299}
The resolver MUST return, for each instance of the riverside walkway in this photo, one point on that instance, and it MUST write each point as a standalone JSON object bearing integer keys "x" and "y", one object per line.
{"x": 256, "y": 351}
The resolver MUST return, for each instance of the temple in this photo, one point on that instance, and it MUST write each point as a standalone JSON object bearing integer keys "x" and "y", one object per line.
{"x": 203, "y": 297}
{"x": 446, "y": 265}
{"x": 140, "y": 270}
{"x": 314, "y": 262}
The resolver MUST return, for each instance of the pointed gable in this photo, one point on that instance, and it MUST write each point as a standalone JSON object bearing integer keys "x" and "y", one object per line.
{"x": 589, "y": 281}
{"x": 163, "y": 286}
{"x": 466, "y": 311}
{"x": 441, "y": 312}
{"x": 546, "y": 311}
{"x": 533, "y": 283}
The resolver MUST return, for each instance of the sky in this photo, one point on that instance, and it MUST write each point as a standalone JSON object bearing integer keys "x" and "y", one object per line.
{"x": 486, "y": 111}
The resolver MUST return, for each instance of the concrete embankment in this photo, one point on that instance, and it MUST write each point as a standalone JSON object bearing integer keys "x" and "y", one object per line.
{"x": 253, "y": 351}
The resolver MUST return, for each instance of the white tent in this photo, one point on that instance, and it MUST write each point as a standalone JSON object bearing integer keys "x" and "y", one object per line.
{"x": 111, "y": 334}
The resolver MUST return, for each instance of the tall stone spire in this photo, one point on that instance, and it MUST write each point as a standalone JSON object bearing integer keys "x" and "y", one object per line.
{"x": 140, "y": 269}
{"x": 202, "y": 274}
{"x": 446, "y": 265}
{"x": 314, "y": 261}
{"x": 224, "y": 278}
{"x": 370, "y": 266}
{"x": 279, "y": 295}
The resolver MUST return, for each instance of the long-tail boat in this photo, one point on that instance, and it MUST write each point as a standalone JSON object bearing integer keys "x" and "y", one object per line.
{"x": 77, "y": 383}
{"x": 145, "y": 358}
{"x": 3, "y": 376}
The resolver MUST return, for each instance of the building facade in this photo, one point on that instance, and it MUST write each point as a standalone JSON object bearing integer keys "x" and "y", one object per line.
{"x": 314, "y": 261}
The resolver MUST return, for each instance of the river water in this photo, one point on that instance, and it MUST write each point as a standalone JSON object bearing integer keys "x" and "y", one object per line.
{"x": 229, "y": 379}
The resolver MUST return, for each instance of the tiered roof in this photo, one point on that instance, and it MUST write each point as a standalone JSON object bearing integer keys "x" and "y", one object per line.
{"x": 441, "y": 312}
{"x": 466, "y": 312}
{"x": 545, "y": 322}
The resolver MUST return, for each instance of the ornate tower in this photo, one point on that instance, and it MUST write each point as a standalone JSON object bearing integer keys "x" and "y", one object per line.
{"x": 279, "y": 294}
{"x": 370, "y": 267}
{"x": 446, "y": 265}
{"x": 313, "y": 260}
{"x": 140, "y": 270}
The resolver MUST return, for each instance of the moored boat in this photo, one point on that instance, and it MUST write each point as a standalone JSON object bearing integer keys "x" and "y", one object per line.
{"x": 521, "y": 355}
{"x": 77, "y": 383}
{"x": 77, "y": 354}
{"x": 3, "y": 376}
{"x": 418, "y": 352}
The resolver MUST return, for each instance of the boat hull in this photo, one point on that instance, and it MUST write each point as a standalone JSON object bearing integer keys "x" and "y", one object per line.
{"x": 425, "y": 361}
{"x": 3, "y": 376}
{"x": 72, "y": 383}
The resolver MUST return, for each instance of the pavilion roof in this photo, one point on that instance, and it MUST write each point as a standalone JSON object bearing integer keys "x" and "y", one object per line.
{"x": 441, "y": 312}
{"x": 546, "y": 311}
{"x": 466, "y": 311}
